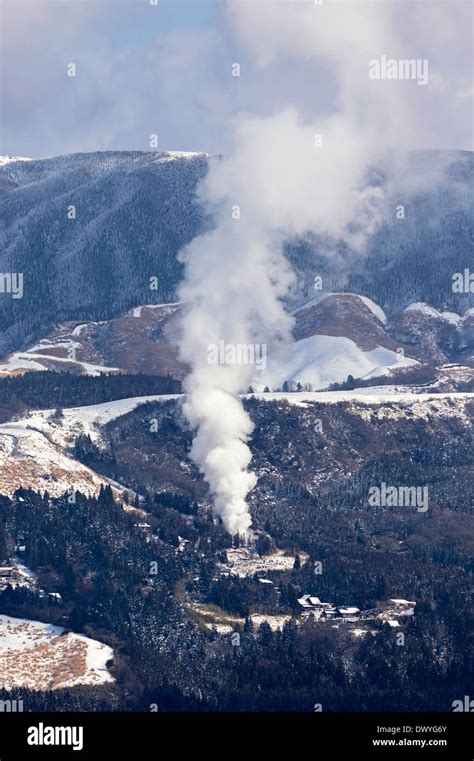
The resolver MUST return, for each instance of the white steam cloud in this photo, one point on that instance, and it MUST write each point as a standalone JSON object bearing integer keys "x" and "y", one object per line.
{"x": 285, "y": 181}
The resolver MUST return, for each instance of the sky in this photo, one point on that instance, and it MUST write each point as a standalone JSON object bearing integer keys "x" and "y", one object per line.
{"x": 166, "y": 70}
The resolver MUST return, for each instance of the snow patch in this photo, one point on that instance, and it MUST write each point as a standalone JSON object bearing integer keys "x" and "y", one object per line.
{"x": 420, "y": 306}
{"x": 173, "y": 155}
{"x": 451, "y": 317}
{"x": 4, "y": 160}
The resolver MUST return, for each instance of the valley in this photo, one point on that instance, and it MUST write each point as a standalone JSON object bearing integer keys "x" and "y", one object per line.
{"x": 143, "y": 513}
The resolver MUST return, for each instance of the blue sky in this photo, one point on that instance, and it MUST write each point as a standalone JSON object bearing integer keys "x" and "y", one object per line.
{"x": 136, "y": 24}
{"x": 166, "y": 70}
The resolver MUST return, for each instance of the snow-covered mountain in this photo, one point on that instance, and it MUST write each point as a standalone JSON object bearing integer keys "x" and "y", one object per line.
{"x": 93, "y": 234}
{"x": 89, "y": 232}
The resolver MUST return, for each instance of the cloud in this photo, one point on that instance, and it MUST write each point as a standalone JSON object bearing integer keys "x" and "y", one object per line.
{"x": 144, "y": 70}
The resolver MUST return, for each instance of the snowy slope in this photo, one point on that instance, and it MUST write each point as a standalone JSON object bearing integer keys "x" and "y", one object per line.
{"x": 39, "y": 656}
{"x": 77, "y": 420}
{"x": 29, "y": 459}
{"x": 429, "y": 311}
{"x": 376, "y": 310}
{"x": 137, "y": 341}
{"x": 420, "y": 306}
{"x": 35, "y": 450}
{"x": 374, "y": 395}
{"x": 4, "y": 160}
{"x": 323, "y": 360}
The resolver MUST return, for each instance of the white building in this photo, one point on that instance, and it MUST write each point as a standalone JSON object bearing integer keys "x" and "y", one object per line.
{"x": 350, "y": 613}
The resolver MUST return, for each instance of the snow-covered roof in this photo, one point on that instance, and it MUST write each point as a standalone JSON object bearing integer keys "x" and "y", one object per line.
{"x": 400, "y": 601}
{"x": 348, "y": 611}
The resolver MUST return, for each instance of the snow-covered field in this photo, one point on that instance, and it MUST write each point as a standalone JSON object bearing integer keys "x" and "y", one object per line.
{"x": 223, "y": 624}
{"x": 369, "y": 395}
{"x": 242, "y": 562}
{"x": 39, "y": 656}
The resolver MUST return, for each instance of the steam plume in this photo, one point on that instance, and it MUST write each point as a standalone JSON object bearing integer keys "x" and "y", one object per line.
{"x": 236, "y": 276}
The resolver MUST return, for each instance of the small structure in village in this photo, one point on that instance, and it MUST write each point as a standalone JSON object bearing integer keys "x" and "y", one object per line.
{"x": 392, "y": 609}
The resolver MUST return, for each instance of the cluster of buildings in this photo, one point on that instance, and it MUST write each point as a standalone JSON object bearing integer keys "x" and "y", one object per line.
{"x": 18, "y": 575}
{"x": 313, "y": 607}
{"x": 13, "y": 576}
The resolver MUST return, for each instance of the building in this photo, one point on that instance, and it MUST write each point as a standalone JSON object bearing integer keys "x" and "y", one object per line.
{"x": 305, "y": 602}
{"x": 401, "y": 603}
{"x": 350, "y": 614}
{"x": 328, "y": 610}
{"x": 55, "y": 597}
{"x": 401, "y": 607}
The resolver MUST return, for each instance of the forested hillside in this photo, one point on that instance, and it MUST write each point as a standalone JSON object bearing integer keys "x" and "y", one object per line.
{"x": 88, "y": 231}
